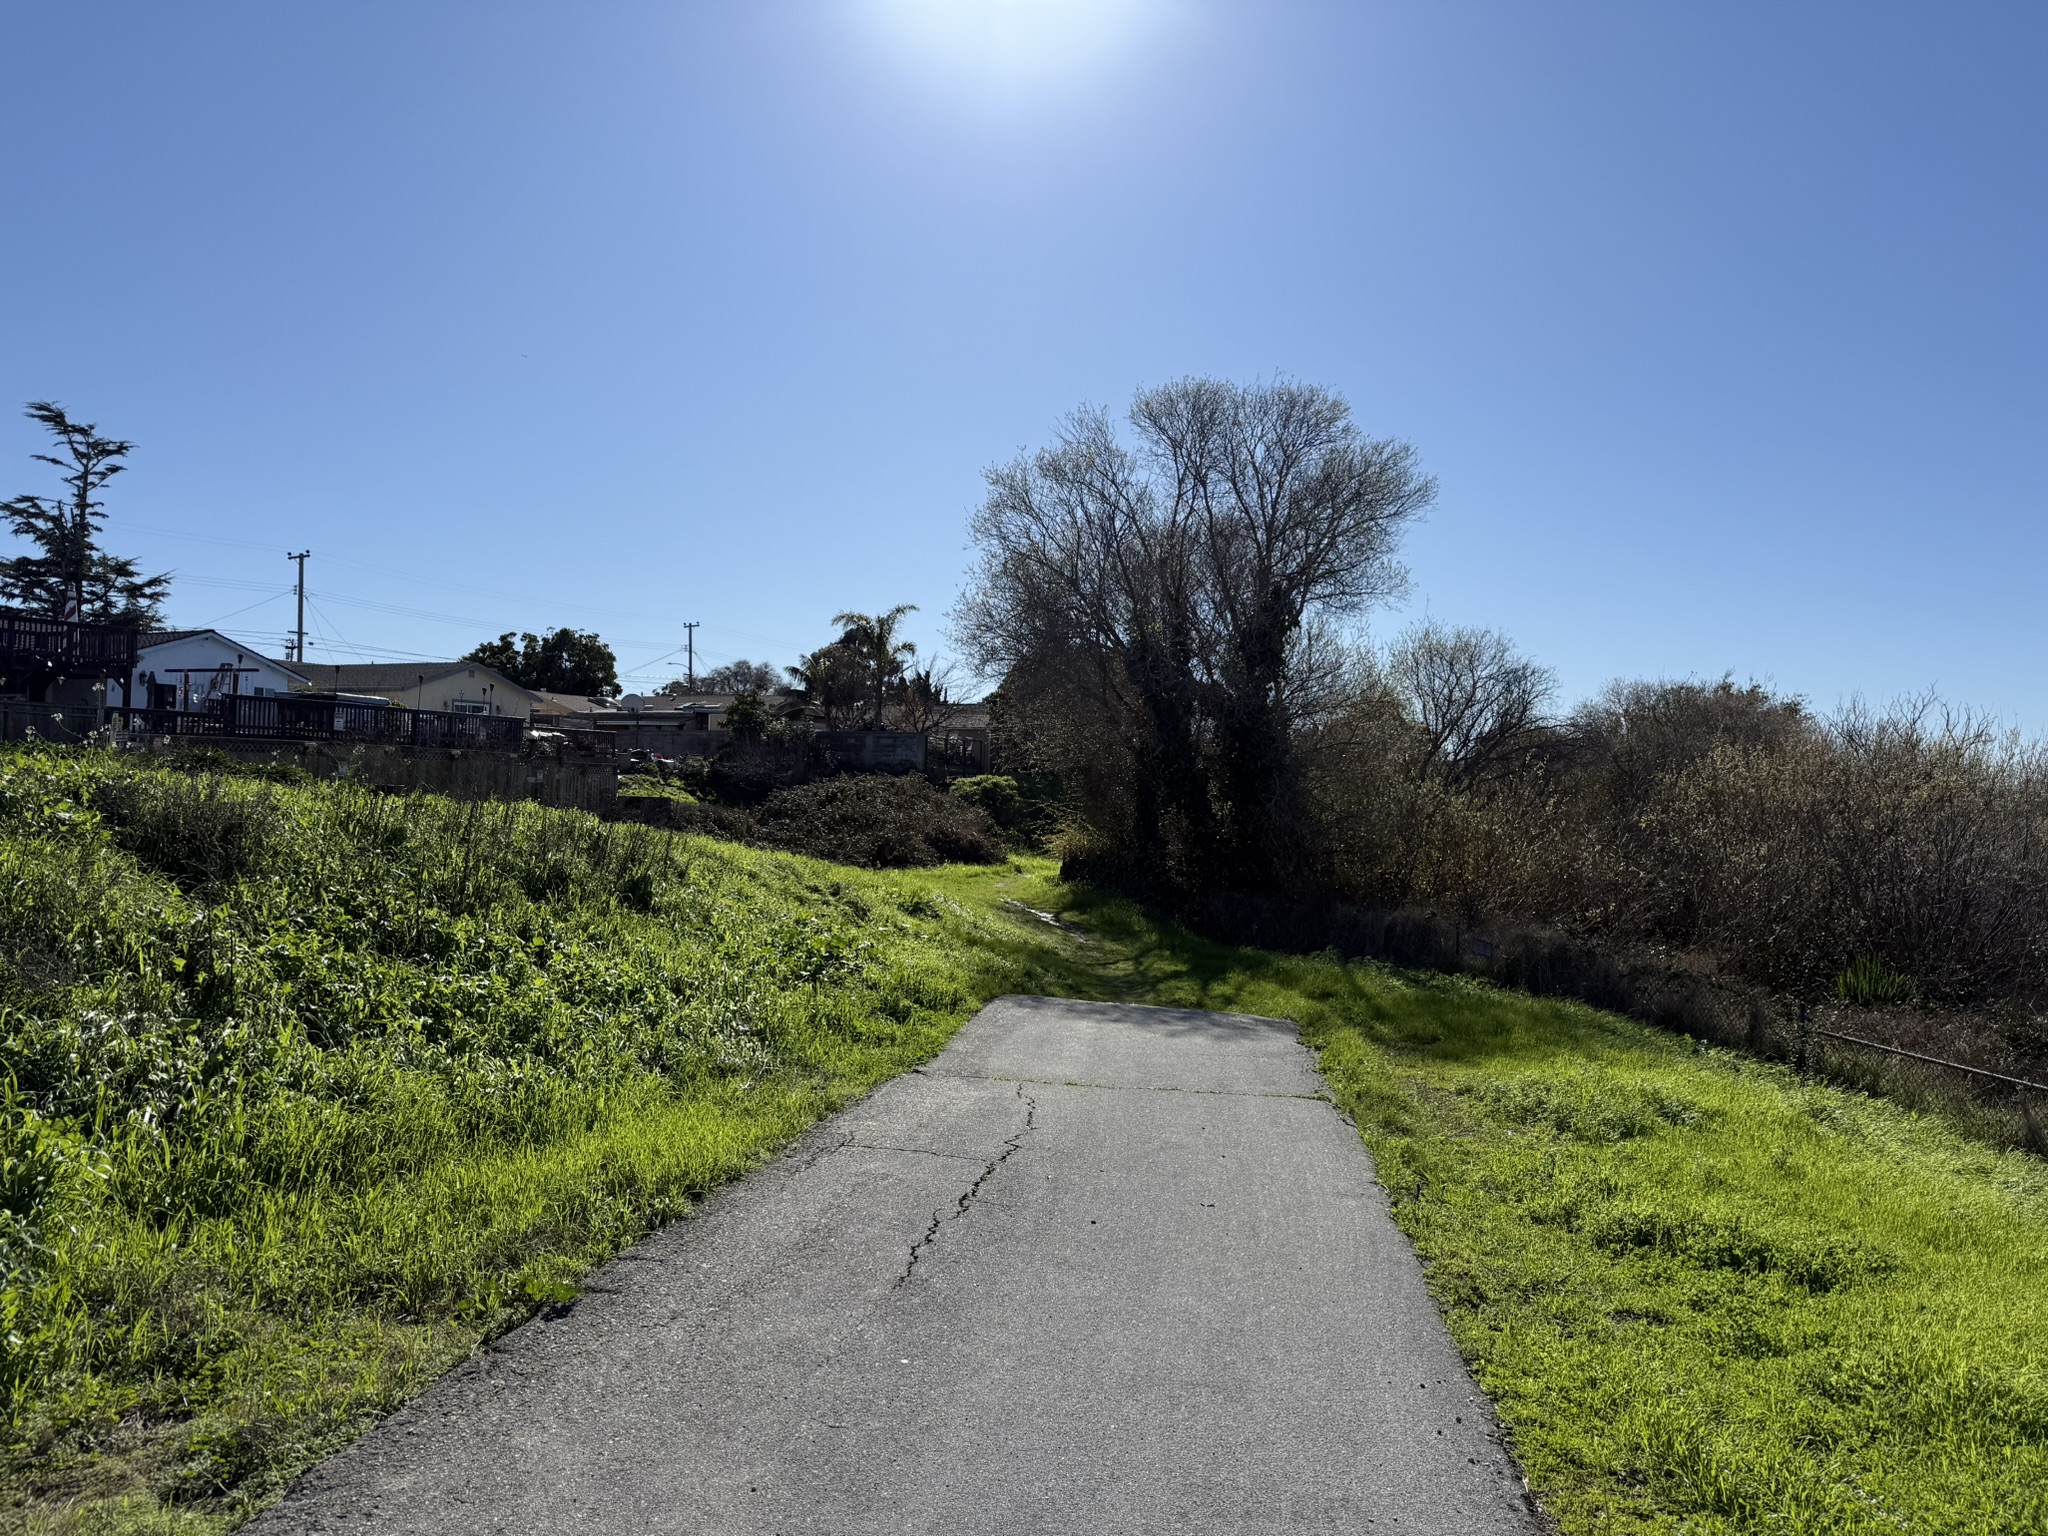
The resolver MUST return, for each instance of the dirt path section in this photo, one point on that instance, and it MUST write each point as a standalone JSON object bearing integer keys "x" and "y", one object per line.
{"x": 1097, "y": 1268}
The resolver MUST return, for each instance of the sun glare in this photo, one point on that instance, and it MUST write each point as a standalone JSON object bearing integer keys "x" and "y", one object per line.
{"x": 1011, "y": 46}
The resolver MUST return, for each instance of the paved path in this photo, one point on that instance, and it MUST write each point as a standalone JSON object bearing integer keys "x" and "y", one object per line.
{"x": 1096, "y": 1269}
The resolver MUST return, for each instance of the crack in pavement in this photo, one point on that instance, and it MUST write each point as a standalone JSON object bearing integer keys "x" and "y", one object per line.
{"x": 939, "y": 1217}
{"x": 883, "y": 1146}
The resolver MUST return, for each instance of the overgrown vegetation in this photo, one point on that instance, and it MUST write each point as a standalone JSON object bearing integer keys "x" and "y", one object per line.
{"x": 1909, "y": 844}
{"x": 1027, "y": 813}
{"x": 1161, "y": 612}
{"x": 309, "y": 1089}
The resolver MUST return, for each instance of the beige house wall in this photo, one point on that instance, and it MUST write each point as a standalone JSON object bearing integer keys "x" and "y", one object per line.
{"x": 469, "y": 690}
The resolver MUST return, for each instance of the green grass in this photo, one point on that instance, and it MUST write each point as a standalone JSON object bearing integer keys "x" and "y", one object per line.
{"x": 313, "y": 1090}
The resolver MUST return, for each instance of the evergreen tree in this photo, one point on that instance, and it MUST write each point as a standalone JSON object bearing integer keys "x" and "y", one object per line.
{"x": 72, "y": 577}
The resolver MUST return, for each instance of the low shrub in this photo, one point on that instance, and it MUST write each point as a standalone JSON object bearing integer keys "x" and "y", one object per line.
{"x": 871, "y": 820}
{"x": 996, "y": 796}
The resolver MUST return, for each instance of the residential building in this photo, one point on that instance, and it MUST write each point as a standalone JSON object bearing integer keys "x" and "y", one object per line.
{"x": 574, "y": 710}
{"x": 456, "y": 687}
{"x": 683, "y": 711}
{"x": 637, "y": 713}
{"x": 188, "y": 668}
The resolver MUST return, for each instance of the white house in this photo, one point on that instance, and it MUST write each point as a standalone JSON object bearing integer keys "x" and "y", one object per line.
{"x": 184, "y": 668}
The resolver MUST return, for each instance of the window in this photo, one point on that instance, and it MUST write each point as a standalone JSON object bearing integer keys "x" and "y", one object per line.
{"x": 468, "y": 707}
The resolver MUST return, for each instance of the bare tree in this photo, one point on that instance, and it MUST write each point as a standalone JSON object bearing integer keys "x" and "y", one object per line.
{"x": 1152, "y": 609}
{"x": 1479, "y": 702}
{"x": 926, "y": 701}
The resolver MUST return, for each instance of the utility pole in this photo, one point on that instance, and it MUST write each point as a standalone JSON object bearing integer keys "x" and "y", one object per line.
{"x": 690, "y": 640}
{"x": 299, "y": 645}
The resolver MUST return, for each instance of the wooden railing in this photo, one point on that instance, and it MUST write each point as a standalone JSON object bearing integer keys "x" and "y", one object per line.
{"x": 57, "y": 645}
{"x": 287, "y": 718}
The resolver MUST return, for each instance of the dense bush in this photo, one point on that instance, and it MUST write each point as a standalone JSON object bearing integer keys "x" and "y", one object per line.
{"x": 1026, "y": 809}
{"x": 873, "y": 820}
{"x": 879, "y": 821}
{"x": 1723, "y": 821}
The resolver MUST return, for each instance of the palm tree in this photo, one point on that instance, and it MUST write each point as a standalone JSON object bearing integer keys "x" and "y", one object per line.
{"x": 833, "y": 681}
{"x": 872, "y": 638}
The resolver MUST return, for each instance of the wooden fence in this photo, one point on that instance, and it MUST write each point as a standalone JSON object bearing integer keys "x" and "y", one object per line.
{"x": 291, "y": 718}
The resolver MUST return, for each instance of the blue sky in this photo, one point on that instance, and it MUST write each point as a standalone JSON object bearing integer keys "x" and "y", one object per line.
{"x": 1722, "y": 325}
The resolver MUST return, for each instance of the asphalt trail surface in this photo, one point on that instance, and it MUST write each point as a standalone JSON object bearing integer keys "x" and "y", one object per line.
{"x": 1095, "y": 1268}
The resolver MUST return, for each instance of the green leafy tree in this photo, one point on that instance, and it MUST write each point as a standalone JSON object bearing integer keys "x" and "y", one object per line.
{"x": 71, "y": 576}
{"x": 733, "y": 677}
{"x": 746, "y": 717}
{"x": 567, "y": 661}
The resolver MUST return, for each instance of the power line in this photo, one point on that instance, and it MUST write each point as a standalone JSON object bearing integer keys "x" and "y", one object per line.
{"x": 368, "y": 652}
{"x": 342, "y": 642}
{"x": 424, "y": 581}
{"x": 232, "y": 582}
{"x": 432, "y": 583}
{"x": 259, "y": 603}
{"x": 297, "y": 642}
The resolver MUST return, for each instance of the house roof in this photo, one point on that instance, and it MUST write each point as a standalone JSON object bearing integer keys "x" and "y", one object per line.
{"x": 550, "y": 703}
{"x": 673, "y": 703}
{"x": 151, "y": 638}
{"x": 394, "y": 676}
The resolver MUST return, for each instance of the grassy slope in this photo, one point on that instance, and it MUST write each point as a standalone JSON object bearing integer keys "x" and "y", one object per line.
{"x": 314, "y": 1089}
{"x": 386, "y": 1076}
